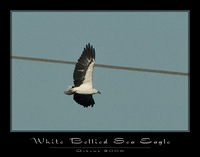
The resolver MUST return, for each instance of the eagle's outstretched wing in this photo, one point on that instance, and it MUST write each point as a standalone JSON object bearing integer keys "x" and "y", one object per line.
{"x": 84, "y": 67}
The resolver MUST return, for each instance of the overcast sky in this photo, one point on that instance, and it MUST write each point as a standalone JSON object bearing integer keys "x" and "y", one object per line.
{"x": 130, "y": 100}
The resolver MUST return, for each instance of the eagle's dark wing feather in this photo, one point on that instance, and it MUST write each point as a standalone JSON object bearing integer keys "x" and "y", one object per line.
{"x": 87, "y": 57}
{"x": 84, "y": 99}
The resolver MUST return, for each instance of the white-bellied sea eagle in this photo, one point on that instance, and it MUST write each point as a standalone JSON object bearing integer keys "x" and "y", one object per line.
{"x": 83, "y": 86}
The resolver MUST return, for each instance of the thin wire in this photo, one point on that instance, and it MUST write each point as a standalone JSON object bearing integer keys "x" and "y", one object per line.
{"x": 102, "y": 66}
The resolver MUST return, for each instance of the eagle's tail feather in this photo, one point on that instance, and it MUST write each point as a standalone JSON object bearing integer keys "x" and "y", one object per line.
{"x": 69, "y": 91}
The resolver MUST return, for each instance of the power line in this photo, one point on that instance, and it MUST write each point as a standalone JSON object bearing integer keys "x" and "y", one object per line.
{"x": 102, "y": 66}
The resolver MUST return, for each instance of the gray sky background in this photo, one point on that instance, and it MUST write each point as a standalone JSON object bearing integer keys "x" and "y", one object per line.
{"x": 130, "y": 100}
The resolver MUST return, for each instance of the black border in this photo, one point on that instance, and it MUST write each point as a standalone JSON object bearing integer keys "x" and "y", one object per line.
{"x": 22, "y": 141}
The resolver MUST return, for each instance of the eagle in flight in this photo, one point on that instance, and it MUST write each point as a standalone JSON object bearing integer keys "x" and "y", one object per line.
{"x": 83, "y": 85}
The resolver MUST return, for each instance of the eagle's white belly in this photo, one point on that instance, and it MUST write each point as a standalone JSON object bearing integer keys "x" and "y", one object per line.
{"x": 85, "y": 89}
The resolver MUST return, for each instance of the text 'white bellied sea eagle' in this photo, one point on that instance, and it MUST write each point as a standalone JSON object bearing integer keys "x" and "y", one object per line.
{"x": 83, "y": 85}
